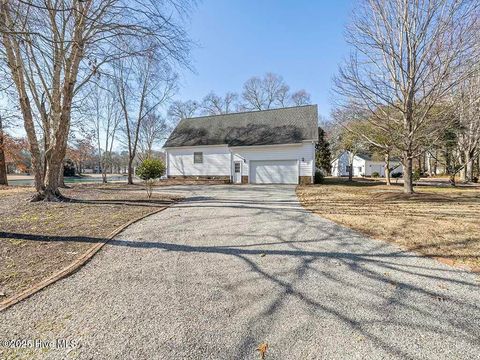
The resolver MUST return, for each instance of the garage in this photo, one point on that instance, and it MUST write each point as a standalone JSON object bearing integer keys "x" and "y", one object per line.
{"x": 274, "y": 172}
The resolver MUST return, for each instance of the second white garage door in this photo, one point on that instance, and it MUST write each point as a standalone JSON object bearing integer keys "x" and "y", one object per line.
{"x": 274, "y": 172}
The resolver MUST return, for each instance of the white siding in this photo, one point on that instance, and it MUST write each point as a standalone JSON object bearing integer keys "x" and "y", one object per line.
{"x": 361, "y": 167}
{"x": 339, "y": 165}
{"x": 305, "y": 151}
{"x": 216, "y": 161}
{"x": 379, "y": 166}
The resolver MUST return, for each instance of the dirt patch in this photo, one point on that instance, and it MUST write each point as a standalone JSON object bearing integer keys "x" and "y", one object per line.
{"x": 436, "y": 221}
{"x": 39, "y": 239}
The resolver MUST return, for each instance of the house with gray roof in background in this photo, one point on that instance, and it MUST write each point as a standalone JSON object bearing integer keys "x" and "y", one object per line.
{"x": 274, "y": 146}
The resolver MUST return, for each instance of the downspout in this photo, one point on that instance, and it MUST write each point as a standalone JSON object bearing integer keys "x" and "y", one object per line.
{"x": 314, "y": 161}
{"x": 167, "y": 167}
{"x": 231, "y": 165}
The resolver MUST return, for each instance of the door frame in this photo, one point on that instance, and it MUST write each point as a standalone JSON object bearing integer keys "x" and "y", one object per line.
{"x": 239, "y": 181}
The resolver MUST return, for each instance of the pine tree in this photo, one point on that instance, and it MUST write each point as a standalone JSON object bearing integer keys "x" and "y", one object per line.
{"x": 322, "y": 153}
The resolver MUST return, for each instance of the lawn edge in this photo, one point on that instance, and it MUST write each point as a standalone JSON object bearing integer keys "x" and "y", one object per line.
{"x": 75, "y": 265}
{"x": 444, "y": 260}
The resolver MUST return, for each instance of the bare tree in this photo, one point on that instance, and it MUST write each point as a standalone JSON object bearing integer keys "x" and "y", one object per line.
{"x": 270, "y": 92}
{"x": 406, "y": 59}
{"x": 179, "y": 110}
{"x": 3, "y": 163}
{"x": 213, "y": 104}
{"x": 153, "y": 129}
{"x": 7, "y": 117}
{"x": 230, "y": 102}
{"x": 467, "y": 109}
{"x": 53, "y": 48}
{"x": 283, "y": 96}
{"x": 143, "y": 84}
{"x": 105, "y": 121}
{"x": 275, "y": 90}
{"x": 254, "y": 95}
{"x": 301, "y": 97}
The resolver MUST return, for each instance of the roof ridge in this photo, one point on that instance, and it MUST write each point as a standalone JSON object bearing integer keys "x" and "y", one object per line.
{"x": 246, "y": 112}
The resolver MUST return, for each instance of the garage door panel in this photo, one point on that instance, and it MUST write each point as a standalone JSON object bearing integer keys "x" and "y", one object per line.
{"x": 274, "y": 172}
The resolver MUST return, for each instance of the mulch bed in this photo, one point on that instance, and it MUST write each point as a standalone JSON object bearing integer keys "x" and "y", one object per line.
{"x": 39, "y": 239}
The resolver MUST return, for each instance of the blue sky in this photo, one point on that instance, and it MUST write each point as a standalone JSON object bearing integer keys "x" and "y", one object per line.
{"x": 301, "y": 40}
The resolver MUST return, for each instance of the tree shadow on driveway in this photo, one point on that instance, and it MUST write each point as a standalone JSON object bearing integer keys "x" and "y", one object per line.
{"x": 284, "y": 264}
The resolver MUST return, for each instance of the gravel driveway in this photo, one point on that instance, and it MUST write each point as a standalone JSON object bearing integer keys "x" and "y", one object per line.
{"x": 235, "y": 266}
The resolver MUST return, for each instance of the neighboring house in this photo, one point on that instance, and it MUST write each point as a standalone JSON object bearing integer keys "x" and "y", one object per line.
{"x": 363, "y": 165}
{"x": 259, "y": 147}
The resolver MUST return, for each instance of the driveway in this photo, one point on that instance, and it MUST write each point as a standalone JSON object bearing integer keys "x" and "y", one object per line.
{"x": 235, "y": 266}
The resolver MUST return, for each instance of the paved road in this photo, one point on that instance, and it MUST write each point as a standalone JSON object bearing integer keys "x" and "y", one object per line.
{"x": 235, "y": 266}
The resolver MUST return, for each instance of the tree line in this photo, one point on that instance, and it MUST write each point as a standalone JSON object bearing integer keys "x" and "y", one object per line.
{"x": 410, "y": 87}
{"x": 60, "y": 57}
{"x": 258, "y": 93}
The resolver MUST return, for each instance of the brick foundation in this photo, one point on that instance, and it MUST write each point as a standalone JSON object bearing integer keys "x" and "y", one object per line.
{"x": 225, "y": 179}
{"x": 305, "y": 180}
{"x": 244, "y": 179}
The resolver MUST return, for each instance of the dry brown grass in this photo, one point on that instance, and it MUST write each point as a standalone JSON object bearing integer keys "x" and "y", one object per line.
{"x": 39, "y": 239}
{"x": 440, "y": 222}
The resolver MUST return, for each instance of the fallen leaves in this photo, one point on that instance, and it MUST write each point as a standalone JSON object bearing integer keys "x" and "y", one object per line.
{"x": 262, "y": 349}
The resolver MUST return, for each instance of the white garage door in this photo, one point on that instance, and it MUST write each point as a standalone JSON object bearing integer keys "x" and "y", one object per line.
{"x": 274, "y": 172}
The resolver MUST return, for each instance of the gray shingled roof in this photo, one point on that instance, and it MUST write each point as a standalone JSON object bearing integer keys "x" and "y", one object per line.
{"x": 364, "y": 156}
{"x": 267, "y": 127}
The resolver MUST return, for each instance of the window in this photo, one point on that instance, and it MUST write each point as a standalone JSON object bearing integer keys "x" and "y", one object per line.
{"x": 359, "y": 169}
{"x": 237, "y": 167}
{"x": 198, "y": 157}
{"x": 347, "y": 168}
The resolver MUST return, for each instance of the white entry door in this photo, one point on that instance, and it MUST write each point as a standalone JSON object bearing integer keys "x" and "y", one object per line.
{"x": 237, "y": 172}
{"x": 274, "y": 172}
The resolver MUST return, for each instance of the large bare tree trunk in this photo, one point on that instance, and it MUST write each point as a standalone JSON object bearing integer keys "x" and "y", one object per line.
{"x": 478, "y": 167}
{"x": 387, "y": 168}
{"x": 130, "y": 172}
{"x": 350, "y": 167}
{"x": 61, "y": 178}
{"x": 3, "y": 164}
{"x": 16, "y": 66}
{"x": 104, "y": 174}
{"x": 407, "y": 173}
{"x": 463, "y": 173}
{"x": 469, "y": 159}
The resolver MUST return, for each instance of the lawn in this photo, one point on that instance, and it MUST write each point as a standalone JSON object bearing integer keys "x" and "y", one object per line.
{"x": 39, "y": 239}
{"x": 441, "y": 222}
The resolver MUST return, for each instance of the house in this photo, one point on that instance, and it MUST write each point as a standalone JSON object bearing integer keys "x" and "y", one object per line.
{"x": 363, "y": 165}
{"x": 258, "y": 147}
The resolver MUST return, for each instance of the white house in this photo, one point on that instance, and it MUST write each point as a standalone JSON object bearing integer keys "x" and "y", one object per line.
{"x": 363, "y": 165}
{"x": 259, "y": 147}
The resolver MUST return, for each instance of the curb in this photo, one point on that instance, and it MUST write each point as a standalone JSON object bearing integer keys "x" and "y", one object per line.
{"x": 74, "y": 266}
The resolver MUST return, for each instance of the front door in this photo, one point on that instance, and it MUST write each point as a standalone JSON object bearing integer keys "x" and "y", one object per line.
{"x": 237, "y": 174}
